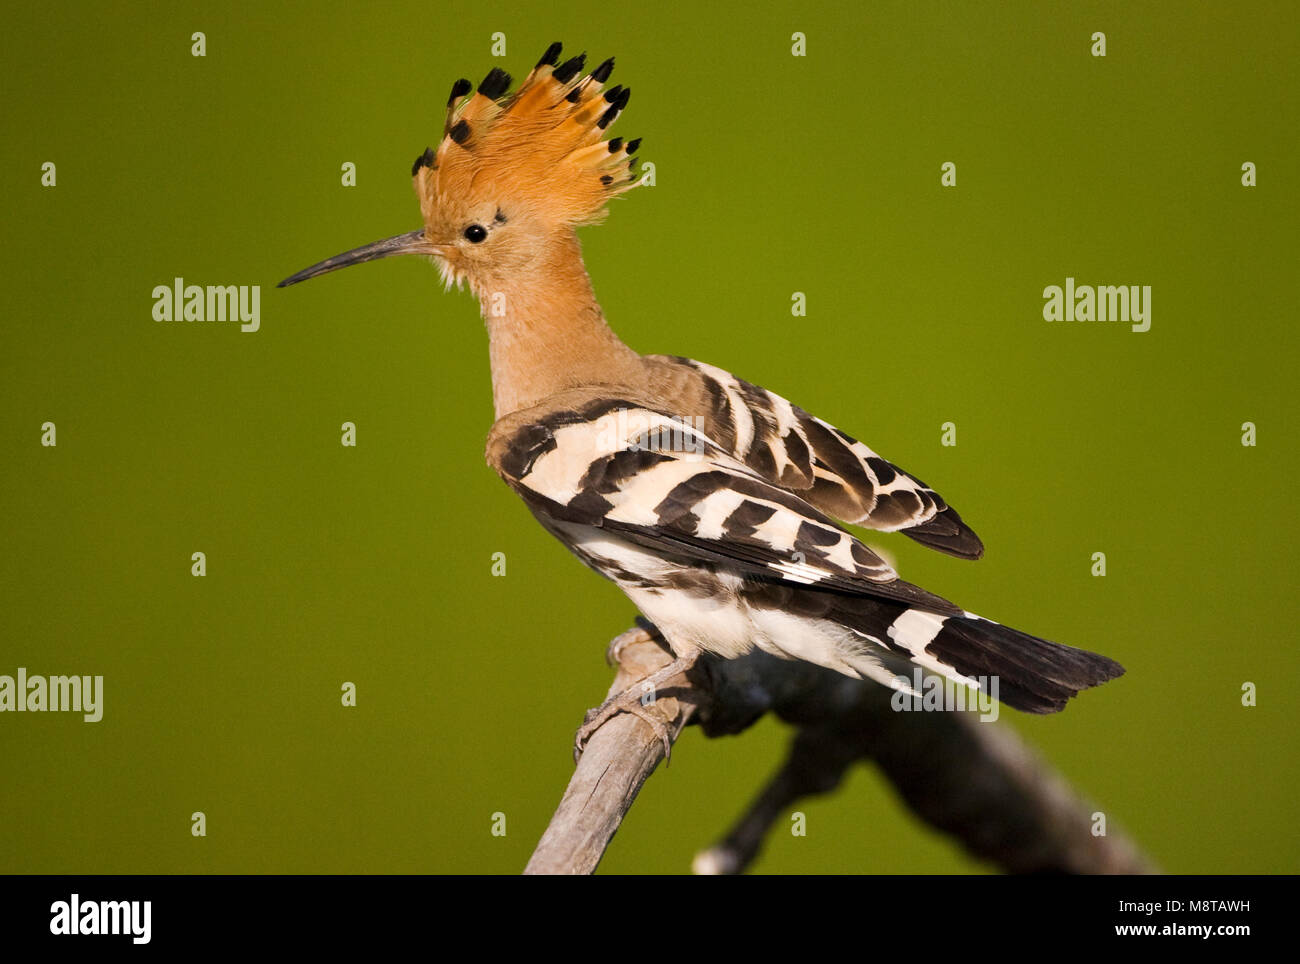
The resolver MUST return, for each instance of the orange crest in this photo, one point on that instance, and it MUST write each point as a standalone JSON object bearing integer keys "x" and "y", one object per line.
{"x": 540, "y": 149}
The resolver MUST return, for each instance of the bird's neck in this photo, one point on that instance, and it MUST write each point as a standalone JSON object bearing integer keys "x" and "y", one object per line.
{"x": 547, "y": 331}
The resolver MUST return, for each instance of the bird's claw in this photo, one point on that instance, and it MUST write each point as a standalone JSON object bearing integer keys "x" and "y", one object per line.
{"x": 629, "y": 701}
{"x": 614, "y": 651}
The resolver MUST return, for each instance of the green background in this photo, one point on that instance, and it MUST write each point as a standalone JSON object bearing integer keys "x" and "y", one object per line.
{"x": 775, "y": 174}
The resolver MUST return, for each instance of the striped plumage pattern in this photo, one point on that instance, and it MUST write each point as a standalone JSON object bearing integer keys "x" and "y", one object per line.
{"x": 718, "y": 525}
{"x": 830, "y": 470}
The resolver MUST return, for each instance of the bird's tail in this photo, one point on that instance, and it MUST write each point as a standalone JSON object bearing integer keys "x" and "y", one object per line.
{"x": 1033, "y": 674}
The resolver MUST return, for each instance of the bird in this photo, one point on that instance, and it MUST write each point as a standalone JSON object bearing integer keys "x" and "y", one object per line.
{"x": 718, "y": 507}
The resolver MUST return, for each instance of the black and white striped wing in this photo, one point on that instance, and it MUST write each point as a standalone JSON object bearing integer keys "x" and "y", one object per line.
{"x": 660, "y": 484}
{"x": 827, "y": 468}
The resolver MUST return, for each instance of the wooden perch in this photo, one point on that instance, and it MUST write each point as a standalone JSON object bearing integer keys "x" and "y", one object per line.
{"x": 615, "y": 763}
{"x": 976, "y": 781}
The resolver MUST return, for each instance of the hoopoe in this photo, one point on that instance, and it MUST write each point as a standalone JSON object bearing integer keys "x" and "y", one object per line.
{"x": 708, "y": 500}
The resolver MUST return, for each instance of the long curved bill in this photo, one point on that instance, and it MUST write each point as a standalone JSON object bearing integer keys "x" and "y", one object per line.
{"x": 413, "y": 242}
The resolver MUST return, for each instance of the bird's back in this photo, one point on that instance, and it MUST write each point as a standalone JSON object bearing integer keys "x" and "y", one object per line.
{"x": 829, "y": 469}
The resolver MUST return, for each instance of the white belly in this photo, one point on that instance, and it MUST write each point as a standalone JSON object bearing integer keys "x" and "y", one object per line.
{"x": 697, "y": 610}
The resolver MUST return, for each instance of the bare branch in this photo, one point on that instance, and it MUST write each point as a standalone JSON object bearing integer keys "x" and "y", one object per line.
{"x": 614, "y": 765}
{"x": 975, "y": 781}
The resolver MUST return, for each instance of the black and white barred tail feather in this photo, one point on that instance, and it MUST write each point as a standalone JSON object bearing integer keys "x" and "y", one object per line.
{"x": 1034, "y": 675}
{"x": 721, "y": 559}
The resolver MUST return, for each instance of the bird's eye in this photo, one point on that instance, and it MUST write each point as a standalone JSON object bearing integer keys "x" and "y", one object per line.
{"x": 476, "y": 233}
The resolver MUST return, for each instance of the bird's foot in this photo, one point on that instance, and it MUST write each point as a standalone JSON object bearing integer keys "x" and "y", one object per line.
{"x": 639, "y": 699}
{"x": 614, "y": 651}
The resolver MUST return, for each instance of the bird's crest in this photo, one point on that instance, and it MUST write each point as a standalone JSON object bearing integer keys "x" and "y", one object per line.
{"x": 542, "y": 146}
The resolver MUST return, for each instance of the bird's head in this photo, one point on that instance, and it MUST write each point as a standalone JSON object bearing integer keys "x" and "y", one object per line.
{"x": 512, "y": 173}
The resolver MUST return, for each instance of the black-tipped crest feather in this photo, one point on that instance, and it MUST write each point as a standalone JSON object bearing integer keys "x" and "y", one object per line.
{"x": 552, "y": 55}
